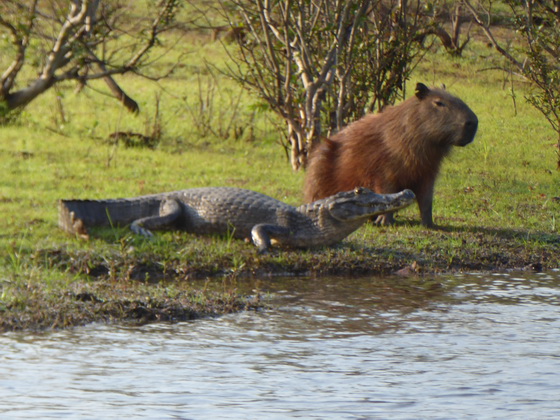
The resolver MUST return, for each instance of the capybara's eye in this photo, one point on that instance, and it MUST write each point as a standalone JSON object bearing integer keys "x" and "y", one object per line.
{"x": 440, "y": 103}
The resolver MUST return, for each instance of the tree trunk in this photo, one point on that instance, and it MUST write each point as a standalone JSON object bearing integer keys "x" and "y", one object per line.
{"x": 24, "y": 96}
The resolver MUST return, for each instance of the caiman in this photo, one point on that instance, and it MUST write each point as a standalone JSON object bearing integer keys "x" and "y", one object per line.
{"x": 237, "y": 212}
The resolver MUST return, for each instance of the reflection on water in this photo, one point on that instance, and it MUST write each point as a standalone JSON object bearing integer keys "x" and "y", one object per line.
{"x": 468, "y": 346}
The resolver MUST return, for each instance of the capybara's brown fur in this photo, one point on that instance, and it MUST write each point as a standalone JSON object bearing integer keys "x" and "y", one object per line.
{"x": 401, "y": 147}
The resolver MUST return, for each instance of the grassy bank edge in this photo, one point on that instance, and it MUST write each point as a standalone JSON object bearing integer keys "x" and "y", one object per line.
{"x": 138, "y": 282}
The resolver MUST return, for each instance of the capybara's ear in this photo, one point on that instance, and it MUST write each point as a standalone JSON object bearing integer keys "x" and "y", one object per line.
{"x": 422, "y": 90}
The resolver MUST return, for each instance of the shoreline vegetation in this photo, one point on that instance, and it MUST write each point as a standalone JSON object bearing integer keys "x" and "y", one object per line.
{"x": 496, "y": 208}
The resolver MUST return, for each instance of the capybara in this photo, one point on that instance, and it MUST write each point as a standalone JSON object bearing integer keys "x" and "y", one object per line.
{"x": 401, "y": 147}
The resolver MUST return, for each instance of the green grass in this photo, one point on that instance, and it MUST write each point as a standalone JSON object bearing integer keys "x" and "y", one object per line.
{"x": 496, "y": 200}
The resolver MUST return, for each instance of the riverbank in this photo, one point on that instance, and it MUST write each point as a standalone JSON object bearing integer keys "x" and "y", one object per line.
{"x": 497, "y": 201}
{"x": 209, "y": 276}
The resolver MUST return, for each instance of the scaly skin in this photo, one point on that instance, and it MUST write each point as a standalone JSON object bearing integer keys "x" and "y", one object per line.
{"x": 238, "y": 212}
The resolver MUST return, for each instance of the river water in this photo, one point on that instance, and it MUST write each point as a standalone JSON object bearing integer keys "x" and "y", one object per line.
{"x": 460, "y": 347}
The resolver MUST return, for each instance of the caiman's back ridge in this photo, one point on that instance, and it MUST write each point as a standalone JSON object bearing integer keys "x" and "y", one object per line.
{"x": 238, "y": 212}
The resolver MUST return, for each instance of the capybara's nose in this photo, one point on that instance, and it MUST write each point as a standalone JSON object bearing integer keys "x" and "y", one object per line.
{"x": 471, "y": 126}
{"x": 469, "y": 130}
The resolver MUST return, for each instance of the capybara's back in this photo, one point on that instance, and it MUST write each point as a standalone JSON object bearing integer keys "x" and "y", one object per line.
{"x": 399, "y": 148}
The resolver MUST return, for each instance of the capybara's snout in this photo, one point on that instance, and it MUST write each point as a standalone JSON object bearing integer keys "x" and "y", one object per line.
{"x": 469, "y": 130}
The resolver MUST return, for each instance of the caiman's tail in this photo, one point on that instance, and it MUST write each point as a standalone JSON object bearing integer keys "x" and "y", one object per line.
{"x": 75, "y": 216}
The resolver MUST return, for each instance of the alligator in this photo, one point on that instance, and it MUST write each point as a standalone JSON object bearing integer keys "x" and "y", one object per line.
{"x": 237, "y": 212}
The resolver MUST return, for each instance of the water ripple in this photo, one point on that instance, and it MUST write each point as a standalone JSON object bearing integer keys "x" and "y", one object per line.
{"x": 470, "y": 346}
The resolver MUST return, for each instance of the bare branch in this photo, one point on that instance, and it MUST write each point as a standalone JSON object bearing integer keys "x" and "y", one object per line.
{"x": 317, "y": 63}
{"x": 485, "y": 26}
{"x": 84, "y": 46}
{"x": 539, "y": 24}
{"x": 20, "y": 42}
{"x": 159, "y": 25}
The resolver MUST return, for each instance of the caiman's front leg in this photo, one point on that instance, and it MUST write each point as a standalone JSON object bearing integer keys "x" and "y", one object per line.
{"x": 169, "y": 212}
{"x": 263, "y": 234}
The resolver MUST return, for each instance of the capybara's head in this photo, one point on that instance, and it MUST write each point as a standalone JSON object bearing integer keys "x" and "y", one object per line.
{"x": 443, "y": 118}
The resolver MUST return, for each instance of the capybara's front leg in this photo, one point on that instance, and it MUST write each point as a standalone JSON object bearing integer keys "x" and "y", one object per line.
{"x": 425, "y": 198}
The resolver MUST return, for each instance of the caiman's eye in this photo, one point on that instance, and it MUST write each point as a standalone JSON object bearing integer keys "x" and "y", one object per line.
{"x": 358, "y": 190}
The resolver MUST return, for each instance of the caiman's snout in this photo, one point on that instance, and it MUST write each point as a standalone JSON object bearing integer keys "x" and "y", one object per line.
{"x": 362, "y": 203}
{"x": 368, "y": 196}
{"x": 398, "y": 200}
{"x": 408, "y": 196}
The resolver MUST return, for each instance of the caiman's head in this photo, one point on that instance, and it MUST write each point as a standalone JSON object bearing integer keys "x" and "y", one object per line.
{"x": 362, "y": 203}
